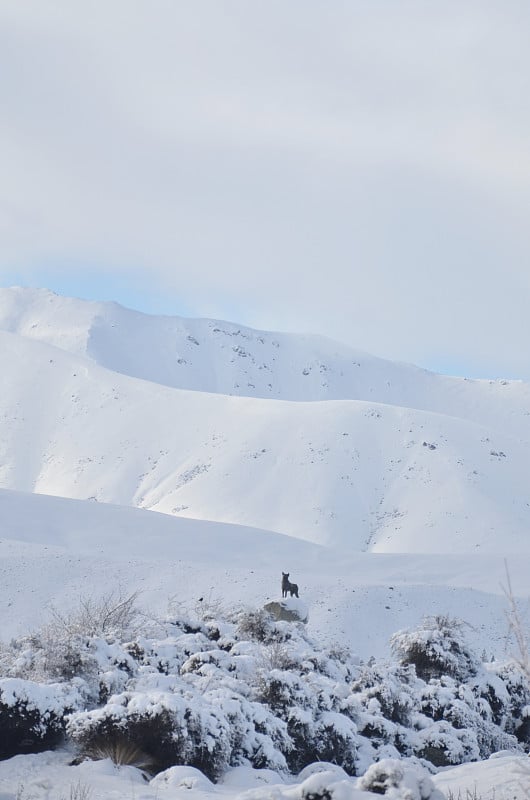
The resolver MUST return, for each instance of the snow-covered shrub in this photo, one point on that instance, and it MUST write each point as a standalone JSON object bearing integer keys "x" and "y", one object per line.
{"x": 515, "y": 680}
{"x": 67, "y": 640}
{"x": 282, "y": 690}
{"x": 523, "y": 730}
{"x": 32, "y": 715}
{"x": 257, "y": 737}
{"x": 103, "y": 667}
{"x": 210, "y": 731}
{"x": 436, "y": 648}
{"x": 216, "y": 693}
{"x": 430, "y": 719}
{"x": 442, "y": 745}
{"x": 187, "y": 778}
{"x": 379, "y": 778}
{"x": 288, "y": 698}
{"x": 168, "y": 655}
{"x": 42, "y": 656}
{"x": 337, "y": 661}
{"x": 396, "y": 779}
{"x": 387, "y": 700}
{"x": 336, "y": 739}
{"x": 170, "y": 728}
{"x": 389, "y": 692}
{"x": 113, "y": 615}
{"x": 257, "y": 625}
{"x": 492, "y": 690}
{"x": 323, "y": 786}
{"x": 464, "y": 707}
{"x": 275, "y": 655}
{"x": 318, "y": 767}
{"x": 199, "y": 662}
{"x": 84, "y": 642}
{"x": 318, "y": 720}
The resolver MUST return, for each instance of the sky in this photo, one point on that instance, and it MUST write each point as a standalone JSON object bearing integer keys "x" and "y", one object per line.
{"x": 355, "y": 169}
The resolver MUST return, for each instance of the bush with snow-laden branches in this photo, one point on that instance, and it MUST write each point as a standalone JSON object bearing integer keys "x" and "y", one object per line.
{"x": 246, "y": 691}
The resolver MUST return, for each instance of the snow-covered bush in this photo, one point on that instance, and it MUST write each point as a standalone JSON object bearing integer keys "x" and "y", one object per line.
{"x": 442, "y": 745}
{"x": 257, "y": 625}
{"x": 82, "y": 643}
{"x": 513, "y": 704}
{"x": 398, "y": 780}
{"x": 464, "y": 707}
{"x": 210, "y": 732}
{"x": 318, "y": 717}
{"x": 102, "y": 667}
{"x": 32, "y": 715}
{"x": 388, "y": 692}
{"x": 42, "y": 657}
{"x": 66, "y": 639}
{"x": 336, "y": 739}
{"x": 169, "y": 727}
{"x": 115, "y": 615}
{"x": 247, "y": 691}
{"x": 187, "y": 778}
{"x": 438, "y": 647}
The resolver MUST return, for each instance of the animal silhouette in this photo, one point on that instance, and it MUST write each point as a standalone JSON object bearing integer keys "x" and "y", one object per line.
{"x": 287, "y": 586}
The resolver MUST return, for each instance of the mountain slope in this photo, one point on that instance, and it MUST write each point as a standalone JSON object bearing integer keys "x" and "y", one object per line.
{"x": 351, "y": 474}
{"x": 54, "y": 551}
{"x": 220, "y": 357}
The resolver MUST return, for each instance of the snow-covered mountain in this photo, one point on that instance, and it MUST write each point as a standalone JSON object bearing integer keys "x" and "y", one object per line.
{"x": 212, "y": 356}
{"x": 333, "y": 489}
{"x": 388, "y": 492}
{"x": 356, "y": 473}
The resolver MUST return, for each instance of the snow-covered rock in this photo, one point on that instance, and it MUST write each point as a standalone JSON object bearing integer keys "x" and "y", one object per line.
{"x": 290, "y": 609}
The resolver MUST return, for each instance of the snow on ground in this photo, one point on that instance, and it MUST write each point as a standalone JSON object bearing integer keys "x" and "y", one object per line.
{"x": 502, "y": 777}
{"x": 48, "y": 775}
{"x": 52, "y": 551}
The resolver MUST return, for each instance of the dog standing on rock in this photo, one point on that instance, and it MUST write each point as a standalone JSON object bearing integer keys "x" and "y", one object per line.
{"x": 287, "y": 586}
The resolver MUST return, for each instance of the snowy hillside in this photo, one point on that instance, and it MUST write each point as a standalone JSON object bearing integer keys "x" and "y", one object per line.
{"x": 52, "y": 551}
{"x": 315, "y": 487}
{"x": 351, "y": 474}
{"x": 387, "y": 492}
{"x": 221, "y": 357}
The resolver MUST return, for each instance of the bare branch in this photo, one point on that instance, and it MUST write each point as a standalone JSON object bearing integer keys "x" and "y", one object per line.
{"x": 516, "y": 626}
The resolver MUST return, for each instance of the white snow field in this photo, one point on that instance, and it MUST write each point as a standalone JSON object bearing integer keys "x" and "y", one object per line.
{"x": 47, "y": 775}
{"x": 355, "y": 474}
{"x": 386, "y": 491}
{"x": 54, "y": 551}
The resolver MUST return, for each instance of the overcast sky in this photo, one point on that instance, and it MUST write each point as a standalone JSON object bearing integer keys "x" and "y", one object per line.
{"x": 357, "y": 169}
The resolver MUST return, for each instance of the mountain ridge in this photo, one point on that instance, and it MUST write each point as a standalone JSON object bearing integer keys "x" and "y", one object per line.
{"x": 347, "y": 473}
{"x": 219, "y": 357}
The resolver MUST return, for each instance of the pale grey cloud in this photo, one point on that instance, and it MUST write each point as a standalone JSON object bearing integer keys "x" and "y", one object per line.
{"x": 351, "y": 168}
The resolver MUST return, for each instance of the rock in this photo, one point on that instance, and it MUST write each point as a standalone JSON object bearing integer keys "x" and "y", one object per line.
{"x": 290, "y": 610}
